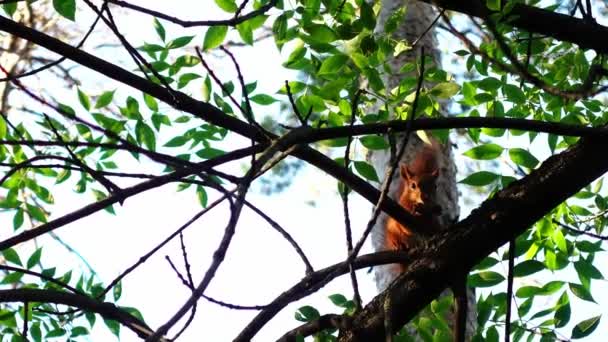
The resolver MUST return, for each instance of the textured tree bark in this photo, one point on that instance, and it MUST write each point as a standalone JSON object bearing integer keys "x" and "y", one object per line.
{"x": 415, "y": 27}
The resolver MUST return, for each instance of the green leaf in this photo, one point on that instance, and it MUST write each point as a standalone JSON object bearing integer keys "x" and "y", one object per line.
{"x": 66, "y": 8}
{"x": 551, "y": 287}
{"x": 133, "y": 311}
{"x": 104, "y": 99}
{"x": 513, "y": 94}
{"x": 160, "y": 119}
{"x": 345, "y": 108}
{"x": 366, "y": 170}
{"x": 10, "y": 8}
{"x": 263, "y": 99}
{"x": 360, "y": 60}
{"x": 578, "y": 210}
{"x": 202, "y": 196}
{"x": 55, "y": 333}
{"x": 563, "y": 311}
{"x": 90, "y": 317}
{"x": 34, "y": 259}
{"x": 294, "y": 57}
{"x": 307, "y": 313}
{"x": 11, "y": 256}
{"x": 338, "y": 299}
{"x": 560, "y": 241}
{"x": 12, "y": 278}
{"x": 492, "y": 334}
{"x": 79, "y": 331}
{"x": 445, "y": 90}
{"x": 527, "y": 267}
{"x": 586, "y": 327}
{"x": 333, "y": 64}
{"x": 185, "y": 79}
{"x": 66, "y": 110}
{"x": 206, "y": 89}
{"x": 279, "y": 28}
{"x": 245, "y": 32}
{"x": 589, "y": 247}
{"x": 485, "y": 279}
{"x": 489, "y": 84}
{"x": 209, "y": 152}
{"x": 367, "y": 17}
{"x": 227, "y": 5}
{"x": 3, "y": 128}
{"x": 132, "y": 109}
{"x": 581, "y": 292}
{"x": 321, "y": 33}
{"x": 179, "y": 42}
{"x": 117, "y": 291}
{"x": 480, "y": 178}
{"x": 338, "y": 142}
{"x": 587, "y": 269}
{"x": 151, "y": 102}
{"x": 36, "y": 331}
{"x": 523, "y": 157}
{"x": 113, "y": 326}
{"x": 486, "y": 263}
{"x": 18, "y": 219}
{"x": 145, "y": 135}
{"x": 493, "y": 5}
{"x": 177, "y": 141}
{"x": 374, "y": 142}
{"x": 484, "y": 152}
{"x": 160, "y": 30}
{"x": 84, "y": 100}
{"x": 214, "y": 37}
{"x": 527, "y": 291}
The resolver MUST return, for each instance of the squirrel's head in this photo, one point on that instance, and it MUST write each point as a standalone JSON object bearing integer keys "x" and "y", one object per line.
{"x": 418, "y": 190}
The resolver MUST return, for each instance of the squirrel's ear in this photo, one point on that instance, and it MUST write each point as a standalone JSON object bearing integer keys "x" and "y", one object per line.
{"x": 405, "y": 172}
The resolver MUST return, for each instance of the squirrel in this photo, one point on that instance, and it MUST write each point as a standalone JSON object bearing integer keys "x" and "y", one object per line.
{"x": 417, "y": 194}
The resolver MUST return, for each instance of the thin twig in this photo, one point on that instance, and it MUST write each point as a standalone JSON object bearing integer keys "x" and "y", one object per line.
{"x": 295, "y": 109}
{"x": 344, "y": 194}
{"x": 26, "y": 309}
{"x": 581, "y": 232}
{"x": 146, "y": 256}
{"x": 237, "y": 19}
{"x": 510, "y": 290}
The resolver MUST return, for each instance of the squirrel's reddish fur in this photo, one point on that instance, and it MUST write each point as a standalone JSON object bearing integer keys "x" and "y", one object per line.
{"x": 417, "y": 194}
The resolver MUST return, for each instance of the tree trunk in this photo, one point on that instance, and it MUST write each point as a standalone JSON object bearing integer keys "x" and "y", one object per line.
{"x": 415, "y": 27}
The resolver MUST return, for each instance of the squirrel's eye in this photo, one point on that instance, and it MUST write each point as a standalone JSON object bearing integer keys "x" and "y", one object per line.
{"x": 413, "y": 185}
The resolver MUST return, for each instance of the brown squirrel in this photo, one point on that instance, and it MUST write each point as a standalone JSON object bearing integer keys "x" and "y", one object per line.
{"x": 417, "y": 194}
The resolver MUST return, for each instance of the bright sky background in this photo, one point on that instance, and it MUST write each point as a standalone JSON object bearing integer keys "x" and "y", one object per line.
{"x": 260, "y": 264}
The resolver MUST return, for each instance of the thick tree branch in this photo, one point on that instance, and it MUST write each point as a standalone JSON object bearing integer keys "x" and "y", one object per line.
{"x": 455, "y": 122}
{"x": 330, "y": 321}
{"x": 313, "y": 282}
{"x": 509, "y": 213}
{"x": 586, "y": 34}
